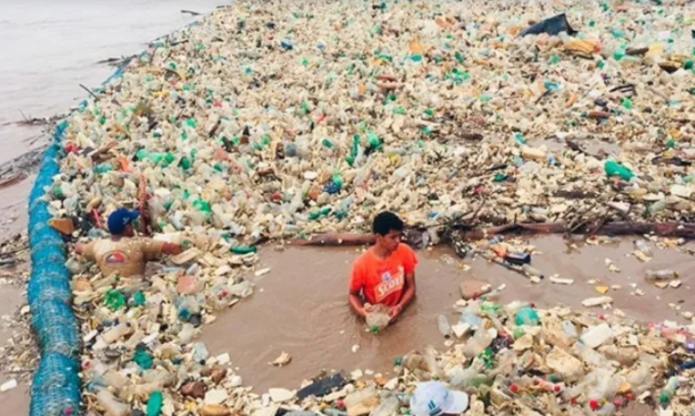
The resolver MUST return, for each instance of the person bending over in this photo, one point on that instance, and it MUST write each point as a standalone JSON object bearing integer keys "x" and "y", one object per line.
{"x": 123, "y": 254}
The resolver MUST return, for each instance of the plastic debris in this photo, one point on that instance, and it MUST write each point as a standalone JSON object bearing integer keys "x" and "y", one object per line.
{"x": 282, "y": 360}
{"x": 8, "y": 385}
{"x": 551, "y": 26}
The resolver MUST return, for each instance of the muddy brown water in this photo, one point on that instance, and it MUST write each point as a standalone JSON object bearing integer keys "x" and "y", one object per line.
{"x": 300, "y": 307}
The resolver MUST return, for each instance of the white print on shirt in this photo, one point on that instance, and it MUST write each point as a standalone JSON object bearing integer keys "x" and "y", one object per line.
{"x": 389, "y": 284}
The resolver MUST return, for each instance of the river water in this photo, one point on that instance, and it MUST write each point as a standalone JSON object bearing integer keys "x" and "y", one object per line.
{"x": 300, "y": 306}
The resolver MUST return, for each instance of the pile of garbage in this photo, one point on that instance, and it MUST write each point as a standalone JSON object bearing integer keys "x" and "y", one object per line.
{"x": 269, "y": 121}
{"x": 511, "y": 359}
{"x": 18, "y": 351}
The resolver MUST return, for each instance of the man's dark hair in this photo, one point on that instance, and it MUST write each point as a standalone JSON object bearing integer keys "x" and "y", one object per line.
{"x": 385, "y": 222}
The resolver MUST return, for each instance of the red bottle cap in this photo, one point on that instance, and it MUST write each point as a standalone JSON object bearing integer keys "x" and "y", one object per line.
{"x": 593, "y": 404}
{"x": 557, "y": 388}
{"x": 514, "y": 388}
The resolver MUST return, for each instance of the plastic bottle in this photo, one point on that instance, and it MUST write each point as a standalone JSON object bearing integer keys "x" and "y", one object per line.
{"x": 531, "y": 271}
{"x": 111, "y": 405}
{"x": 186, "y": 334}
{"x": 527, "y": 316}
{"x": 463, "y": 378}
{"x": 355, "y": 399}
{"x": 443, "y": 325}
{"x": 664, "y": 274}
{"x": 243, "y": 249}
{"x": 640, "y": 379}
{"x": 154, "y": 403}
{"x": 613, "y": 168}
{"x": 143, "y": 358}
{"x": 607, "y": 409}
{"x": 200, "y": 352}
{"x": 569, "y": 329}
{"x": 388, "y": 407}
{"x": 114, "y": 299}
{"x": 669, "y": 390}
{"x": 657, "y": 206}
{"x": 117, "y": 332}
{"x": 643, "y": 246}
{"x": 477, "y": 343}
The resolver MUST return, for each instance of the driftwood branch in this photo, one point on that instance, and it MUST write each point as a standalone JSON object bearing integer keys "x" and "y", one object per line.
{"x": 664, "y": 229}
{"x": 191, "y": 12}
{"x": 96, "y": 98}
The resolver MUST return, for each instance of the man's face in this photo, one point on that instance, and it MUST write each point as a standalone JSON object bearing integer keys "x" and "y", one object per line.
{"x": 389, "y": 241}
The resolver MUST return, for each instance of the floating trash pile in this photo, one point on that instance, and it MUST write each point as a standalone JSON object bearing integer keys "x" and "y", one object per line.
{"x": 285, "y": 120}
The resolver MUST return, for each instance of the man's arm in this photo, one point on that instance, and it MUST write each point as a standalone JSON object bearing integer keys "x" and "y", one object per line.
{"x": 171, "y": 248}
{"x": 356, "y": 302}
{"x": 406, "y": 299}
{"x": 153, "y": 249}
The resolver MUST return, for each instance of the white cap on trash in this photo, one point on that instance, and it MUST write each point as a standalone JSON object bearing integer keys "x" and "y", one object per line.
{"x": 433, "y": 398}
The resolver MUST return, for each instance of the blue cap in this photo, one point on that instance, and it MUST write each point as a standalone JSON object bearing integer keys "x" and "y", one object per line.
{"x": 119, "y": 219}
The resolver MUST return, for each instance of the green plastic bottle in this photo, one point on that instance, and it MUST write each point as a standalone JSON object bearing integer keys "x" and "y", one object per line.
{"x": 154, "y": 403}
{"x": 185, "y": 163}
{"x": 614, "y": 168}
{"x": 243, "y": 249}
{"x": 139, "y": 298}
{"x": 527, "y": 316}
{"x": 114, "y": 299}
{"x": 320, "y": 213}
{"x": 143, "y": 358}
{"x": 103, "y": 168}
{"x": 373, "y": 140}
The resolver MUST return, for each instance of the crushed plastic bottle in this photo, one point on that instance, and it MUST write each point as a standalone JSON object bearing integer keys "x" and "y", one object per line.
{"x": 527, "y": 316}
{"x": 643, "y": 246}
{"x": 658, "y": 275}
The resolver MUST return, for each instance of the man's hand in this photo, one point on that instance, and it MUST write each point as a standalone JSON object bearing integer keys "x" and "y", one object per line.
{"x": 393, "y": 313}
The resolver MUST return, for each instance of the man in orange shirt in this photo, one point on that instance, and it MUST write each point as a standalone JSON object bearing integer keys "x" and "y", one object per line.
{"x": 385, "y": 273}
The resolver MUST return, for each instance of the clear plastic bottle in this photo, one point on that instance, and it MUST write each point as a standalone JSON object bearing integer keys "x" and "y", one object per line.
{"x": 388, "y": 407}
{"x": 643, "y": 246}
{"x": 663, "y": 274}
{"x": 607, "y": 409}
{"x": 669, "y": 390}
{"x": 640, "y": 379}
{"x": 112, "y": 406}
{"x": 443, "y": 325}
{"x": 477, "y": 343}
{"x": 200, "y": 352}
{"x": 117, "y": 332}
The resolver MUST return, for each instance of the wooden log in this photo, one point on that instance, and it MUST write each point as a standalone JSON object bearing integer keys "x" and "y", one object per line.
{"x": 663, "y": 229}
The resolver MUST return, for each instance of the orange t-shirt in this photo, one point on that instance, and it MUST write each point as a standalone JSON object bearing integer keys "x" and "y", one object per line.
{"x": 382, "y": 281}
